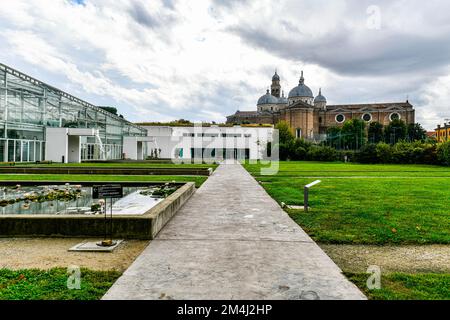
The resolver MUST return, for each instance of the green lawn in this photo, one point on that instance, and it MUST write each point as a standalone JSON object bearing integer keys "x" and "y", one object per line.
{"x": 366, "y": 204}
{"x": 114, "y": 178}
{"x": 122, "y": 165}
{"x": 401, "y": 286}
{"x": 52, "y": 284}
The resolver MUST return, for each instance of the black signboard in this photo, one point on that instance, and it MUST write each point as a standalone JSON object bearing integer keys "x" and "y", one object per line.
{"x": 107, "y": 191}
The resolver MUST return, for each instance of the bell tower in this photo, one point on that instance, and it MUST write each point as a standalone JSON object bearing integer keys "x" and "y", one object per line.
{"x": 275, "y": 88}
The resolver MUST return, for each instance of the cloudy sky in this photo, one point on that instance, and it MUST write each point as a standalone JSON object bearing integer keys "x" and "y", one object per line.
{"x": 159, "y": 60}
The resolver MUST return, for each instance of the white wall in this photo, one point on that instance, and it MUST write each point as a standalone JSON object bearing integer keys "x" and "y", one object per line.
{"x": 130, "y": 148}
{"x": 168, "y": 139}
{"x": 56, "y": 144}
{"x": 74, "y": 152}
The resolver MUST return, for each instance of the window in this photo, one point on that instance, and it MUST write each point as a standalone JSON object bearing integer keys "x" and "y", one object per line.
{"x": 367, "y": 117}
{"x": 188, "y": 134}
{"x": 394, "y": 116}
{"x": 208, "y": 135}
{"x": 320, "y": 119}
{"x": 298, "y": 133}
{"x": 231, "y": 135}
{"x": 340, "y": 118}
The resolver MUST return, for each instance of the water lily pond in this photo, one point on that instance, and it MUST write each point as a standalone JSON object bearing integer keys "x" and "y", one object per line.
{"x": 70, "y": 199}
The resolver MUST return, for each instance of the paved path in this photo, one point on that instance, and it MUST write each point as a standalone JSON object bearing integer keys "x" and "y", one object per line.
{"x": 231, "y": 240}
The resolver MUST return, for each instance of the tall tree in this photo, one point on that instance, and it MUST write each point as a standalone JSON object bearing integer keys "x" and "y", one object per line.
{"x": 286, "y": 140}
{"x": 334, "y": 137}
{"x": 415, "y": 132}
{"x": 395, "y": 131}
{"x": 375, "y": 132}
{"x": 354, "y": 134}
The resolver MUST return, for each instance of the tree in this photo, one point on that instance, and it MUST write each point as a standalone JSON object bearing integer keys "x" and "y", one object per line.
{"x": 109, "y": 109}
{"x": 286, "y": 141}
{"x": 284, "y": 133}
{"x": 375, "y": 132}
{"x": 334, "y": 137}
{"x": 395, "y": 131}
{"x": 415, "y": 132}
{"x": 354, "y": 134}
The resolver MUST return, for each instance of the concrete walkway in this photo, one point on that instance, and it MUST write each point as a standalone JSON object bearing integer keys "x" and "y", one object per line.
{"x": 231, "y": 240}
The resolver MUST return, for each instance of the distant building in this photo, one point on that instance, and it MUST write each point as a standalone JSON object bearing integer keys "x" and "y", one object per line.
{"x": 443, "y": 132}
{"x": 212, "y": 143}
{"x": 310, "y": 117}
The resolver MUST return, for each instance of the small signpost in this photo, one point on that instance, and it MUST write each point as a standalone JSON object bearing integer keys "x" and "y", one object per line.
{"x": 306, "y": 194}
{"x": 108, "y": 191}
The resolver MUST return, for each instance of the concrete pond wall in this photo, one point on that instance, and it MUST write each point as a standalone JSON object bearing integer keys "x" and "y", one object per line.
{"x": 145, "y": 226}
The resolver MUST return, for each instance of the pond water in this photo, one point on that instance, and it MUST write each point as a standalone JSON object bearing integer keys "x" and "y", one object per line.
{"x": 76, "y": 199}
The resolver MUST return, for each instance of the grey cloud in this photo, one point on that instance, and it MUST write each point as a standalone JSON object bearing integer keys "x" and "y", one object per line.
{"x": 142, "y": 16}
{"x": 349, "y": 47}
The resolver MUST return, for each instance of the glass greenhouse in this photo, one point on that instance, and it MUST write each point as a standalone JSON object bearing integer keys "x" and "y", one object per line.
{"x": 28, "y": 107}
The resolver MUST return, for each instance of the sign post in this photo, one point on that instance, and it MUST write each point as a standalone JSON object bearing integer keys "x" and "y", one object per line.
{"x": 107, "y": 191}
{"x": 306, "y": 194}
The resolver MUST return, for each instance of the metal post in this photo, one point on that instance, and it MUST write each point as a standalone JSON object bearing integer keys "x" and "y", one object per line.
{"x": 111, "y": 223}
{"x": 305, "y": 198}
{"x": 306, "y": 194}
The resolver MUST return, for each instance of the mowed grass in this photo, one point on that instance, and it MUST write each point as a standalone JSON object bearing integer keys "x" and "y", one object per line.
{"x": 123, "y": 165}
{"x": 366, "y": 204}
{"x": 73, "y": 178}
{"x": 401, "y": 286}
{"x": 35, "y": 284}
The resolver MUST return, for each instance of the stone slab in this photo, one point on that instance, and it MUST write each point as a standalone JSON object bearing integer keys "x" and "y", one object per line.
{"x": 93, "y": 247}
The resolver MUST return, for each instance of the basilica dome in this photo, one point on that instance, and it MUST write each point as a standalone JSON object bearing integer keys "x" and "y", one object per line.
{"x": 302, "y": 90}
{"x": 267, "y": 99}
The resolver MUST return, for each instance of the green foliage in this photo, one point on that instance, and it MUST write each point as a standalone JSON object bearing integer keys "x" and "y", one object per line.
{"x": 415, "y": 132}
{"x": 354, "y": 134}
{"x": 402, "y": 152}
{"x": 384, "y": 153}
{"x": 403, "y": 286}
{"x": 322, "y": 153}
{"x": 110, "y": 109}
{"x": 368, "y": 154}
{"x": 395, "y": 131}
{"x": 52, "y": 284}
{"x": 443, "y": 153}
{"x": 285, "y": 135}
{"x": 334, "y": 137}
{"x": 375, "y": 132}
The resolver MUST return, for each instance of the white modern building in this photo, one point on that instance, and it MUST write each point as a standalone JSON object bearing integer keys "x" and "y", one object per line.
{"x": 209, "y": 142}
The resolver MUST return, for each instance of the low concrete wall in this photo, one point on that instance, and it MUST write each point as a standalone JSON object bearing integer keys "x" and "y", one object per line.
{"x": 106, "y": 170}
{"x": 145, "y": 226}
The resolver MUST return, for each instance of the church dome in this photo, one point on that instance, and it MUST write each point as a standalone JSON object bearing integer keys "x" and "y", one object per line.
{"x": 267, "y": 99}
{"x": 276, "y": 77}
{"x": 320, "y": 97}
{"x": 302, "y": 90}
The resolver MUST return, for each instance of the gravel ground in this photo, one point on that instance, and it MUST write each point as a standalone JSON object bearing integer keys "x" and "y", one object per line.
{"x": 407, "y": 258}
{"x": 47, "y": 253}
{"x": 50, "y": 252}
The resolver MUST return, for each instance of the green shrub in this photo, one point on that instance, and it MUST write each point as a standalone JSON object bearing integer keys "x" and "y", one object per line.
{"x": 322, "y": 153}
{"x": 368, "y": 154}
{"x": 384, "y": 152}
{"x": 443, "y": 153}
